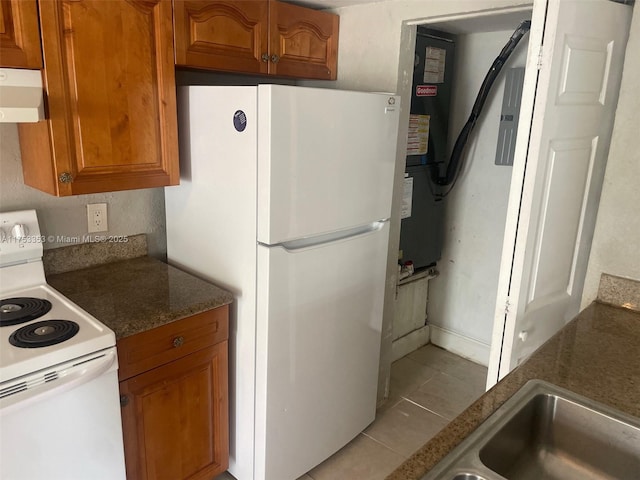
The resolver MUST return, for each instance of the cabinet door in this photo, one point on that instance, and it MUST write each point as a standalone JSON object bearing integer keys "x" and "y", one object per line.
{"x": 175, "y": 420}
{"x": 110, "y": 86}
{"x": 19, "y": 35}
{"x": 222, "y": 35}
{"x": 304, "y": 42}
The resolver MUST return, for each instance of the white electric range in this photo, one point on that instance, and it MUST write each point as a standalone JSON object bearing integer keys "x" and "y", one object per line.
{"x": 59, "y": 400}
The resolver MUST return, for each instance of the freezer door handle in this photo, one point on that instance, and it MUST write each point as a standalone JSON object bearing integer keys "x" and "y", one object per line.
{"x": 304, "y": 243}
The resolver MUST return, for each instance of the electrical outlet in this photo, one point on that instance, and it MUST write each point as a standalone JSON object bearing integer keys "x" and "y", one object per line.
{"x": 97, "y": 217}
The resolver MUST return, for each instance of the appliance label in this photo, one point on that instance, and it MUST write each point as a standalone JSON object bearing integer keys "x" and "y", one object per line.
{"x": 418, "y": 138}
{"x": 426, "y": 90}
{"x": 434, "y": 59}
{"x": 407, "y": 195}
{"x": 240, "y": 120}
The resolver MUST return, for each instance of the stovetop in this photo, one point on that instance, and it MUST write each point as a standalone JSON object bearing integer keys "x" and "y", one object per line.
{"x": 19, "y": 310}
{"x": 68, "y": 331}
{"x": 90, "y": 337}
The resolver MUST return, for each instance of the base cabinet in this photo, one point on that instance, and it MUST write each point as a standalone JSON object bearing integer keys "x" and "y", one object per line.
{"x": 175, "y": 416}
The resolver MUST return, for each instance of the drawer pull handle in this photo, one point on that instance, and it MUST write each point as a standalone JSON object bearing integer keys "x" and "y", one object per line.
{"x": 124, "y": 400}
{"x": 178, "y": 341}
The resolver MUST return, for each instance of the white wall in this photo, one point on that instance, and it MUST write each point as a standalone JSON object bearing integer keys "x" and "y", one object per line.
{"x": 462, "y": 298}
{"x": 616, "y": 243}
{"x": 130, "y": 212}
{"x": 376, "y": 54}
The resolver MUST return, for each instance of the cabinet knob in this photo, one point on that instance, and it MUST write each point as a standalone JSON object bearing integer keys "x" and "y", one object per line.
{"x": 124, "y": 400}
{"x": 265, "y": 57}
{"x": 275, "y": 58}
{"x": 65, "y": 177}
{"x": 178, "y": 341}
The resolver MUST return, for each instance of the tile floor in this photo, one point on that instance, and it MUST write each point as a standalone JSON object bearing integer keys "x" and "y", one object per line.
{"x": 429, "y": 387}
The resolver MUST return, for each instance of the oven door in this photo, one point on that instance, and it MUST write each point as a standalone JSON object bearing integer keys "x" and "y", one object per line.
{"x": 63, "y": 422}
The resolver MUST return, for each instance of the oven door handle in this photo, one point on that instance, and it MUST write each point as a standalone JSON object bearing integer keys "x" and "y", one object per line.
{"x": 57, "y": 381}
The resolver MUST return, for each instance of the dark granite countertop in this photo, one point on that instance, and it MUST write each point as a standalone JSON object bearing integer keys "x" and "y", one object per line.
{"x": 135, "y": 295}
{"x": 596, "y": 355}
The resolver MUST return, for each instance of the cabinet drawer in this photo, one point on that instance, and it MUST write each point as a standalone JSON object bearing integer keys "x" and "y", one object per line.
{"x": 144, "y": 351}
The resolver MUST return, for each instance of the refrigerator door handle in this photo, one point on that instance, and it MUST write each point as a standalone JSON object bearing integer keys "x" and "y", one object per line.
{"x": 303, "y": 243}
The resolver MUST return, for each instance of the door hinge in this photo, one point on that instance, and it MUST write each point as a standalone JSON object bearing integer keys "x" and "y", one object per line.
{"x": 540, "y": 57}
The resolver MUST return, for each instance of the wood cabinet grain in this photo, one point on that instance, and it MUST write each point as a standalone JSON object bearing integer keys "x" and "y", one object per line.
{"x": 19, "y": 34}
{"x": 110, "y": 92}
{"x": 222, "y": 35}
{"x": 146, "y": 350}
{"x": 304, "y": 42}
{"x": 260, "y": 37}
{"x": 175, "y": 413}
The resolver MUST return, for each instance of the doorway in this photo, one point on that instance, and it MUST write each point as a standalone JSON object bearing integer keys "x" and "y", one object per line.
{"x": 462, "y": 286}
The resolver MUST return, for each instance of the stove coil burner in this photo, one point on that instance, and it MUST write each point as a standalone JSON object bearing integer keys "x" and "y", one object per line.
{"x": 44, "y": 333}
{"x": 14, "y": 311}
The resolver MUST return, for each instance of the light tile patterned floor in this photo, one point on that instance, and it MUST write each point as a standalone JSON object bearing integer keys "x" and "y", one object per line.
{"x": 429, "y": 387}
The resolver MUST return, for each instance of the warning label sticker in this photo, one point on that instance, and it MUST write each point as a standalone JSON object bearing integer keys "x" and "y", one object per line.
{"x": 434, "y": 59}
{"x": 418, "y": 138}
{"x": 407, "y": 197}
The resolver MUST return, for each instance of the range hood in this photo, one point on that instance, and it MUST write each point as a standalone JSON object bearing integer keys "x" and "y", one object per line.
{"x": 21, "y": 97}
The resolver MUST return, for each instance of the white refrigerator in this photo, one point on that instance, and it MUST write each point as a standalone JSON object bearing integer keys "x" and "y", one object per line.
{"x": 285, "y": 199}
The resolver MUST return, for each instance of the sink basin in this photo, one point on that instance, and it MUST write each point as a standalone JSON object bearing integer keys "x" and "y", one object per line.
{"x": 545, "y": 432}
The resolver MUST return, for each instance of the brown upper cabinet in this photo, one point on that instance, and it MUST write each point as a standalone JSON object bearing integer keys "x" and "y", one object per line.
{"x": 109, "y": 77}
{"x": 19, "y": 35}
{"x": 110, "y": 94}
{"x": 262, "y": 37}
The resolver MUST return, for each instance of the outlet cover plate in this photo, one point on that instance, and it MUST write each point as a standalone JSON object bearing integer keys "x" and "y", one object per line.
{"x": 97, "y": 217}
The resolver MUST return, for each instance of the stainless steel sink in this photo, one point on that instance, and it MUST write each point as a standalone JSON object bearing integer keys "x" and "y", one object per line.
{"x": 545, "y": 432}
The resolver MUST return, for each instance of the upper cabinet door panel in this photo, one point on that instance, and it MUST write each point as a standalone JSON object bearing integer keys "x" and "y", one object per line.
{"x": 111, "y": 92}
{"x": 19, "y": 35}
{"x": 222, "y": 35}
{"x": 304, "y": 42}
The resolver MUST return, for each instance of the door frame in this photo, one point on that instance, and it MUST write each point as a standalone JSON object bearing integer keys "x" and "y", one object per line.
{"x": 503, "y": 323}
{"x": 402, "y": 87}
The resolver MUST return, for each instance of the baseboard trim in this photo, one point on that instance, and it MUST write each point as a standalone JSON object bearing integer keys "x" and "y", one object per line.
{"x": 409, "y": 342}
{"x": 466, "y": 347}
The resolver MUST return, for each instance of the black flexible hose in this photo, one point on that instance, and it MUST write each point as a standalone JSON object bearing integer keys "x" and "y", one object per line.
{"x": 453, "y": 167}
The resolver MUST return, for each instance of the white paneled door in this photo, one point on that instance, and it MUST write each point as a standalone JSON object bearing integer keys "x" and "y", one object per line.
{"x": 555, "y": 193}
